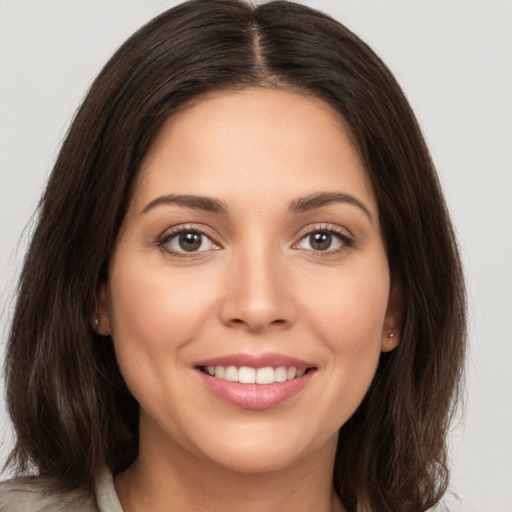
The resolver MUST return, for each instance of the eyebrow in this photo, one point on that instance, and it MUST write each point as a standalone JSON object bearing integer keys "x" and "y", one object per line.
{"x": 299, "y": 205}
{"x": 303, "y": 204}
{"x": 206, "y": 204}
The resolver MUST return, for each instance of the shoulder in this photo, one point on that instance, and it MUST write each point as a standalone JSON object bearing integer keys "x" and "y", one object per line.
{"x": 34, "y": 494}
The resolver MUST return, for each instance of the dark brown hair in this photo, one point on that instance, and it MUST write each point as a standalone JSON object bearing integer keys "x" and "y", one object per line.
{"x": 68, "y": 402}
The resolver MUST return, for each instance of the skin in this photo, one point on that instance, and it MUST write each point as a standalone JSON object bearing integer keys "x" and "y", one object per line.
{"x": 256, "y": 285}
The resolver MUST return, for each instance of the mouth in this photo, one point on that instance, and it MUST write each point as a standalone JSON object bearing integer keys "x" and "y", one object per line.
{"x": 255, "y": 381}
{"x": 249, "y": 375}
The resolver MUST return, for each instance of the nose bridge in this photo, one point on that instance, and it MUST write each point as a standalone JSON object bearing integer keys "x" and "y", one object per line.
{"x": 255, "y": 294}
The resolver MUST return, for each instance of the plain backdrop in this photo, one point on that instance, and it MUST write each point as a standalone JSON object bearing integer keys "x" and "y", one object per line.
{"x": 453, "y": 59}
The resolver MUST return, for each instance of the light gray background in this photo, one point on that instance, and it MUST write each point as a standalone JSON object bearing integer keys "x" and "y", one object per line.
{"x": 453, "y": 59}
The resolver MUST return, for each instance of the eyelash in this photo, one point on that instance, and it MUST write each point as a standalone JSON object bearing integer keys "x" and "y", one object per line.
{"x": 347, "y": 241}
{"x": 168, "y": 236}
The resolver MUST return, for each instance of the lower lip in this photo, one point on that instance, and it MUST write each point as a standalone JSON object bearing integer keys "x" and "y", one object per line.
{"x": 255, "y": 396}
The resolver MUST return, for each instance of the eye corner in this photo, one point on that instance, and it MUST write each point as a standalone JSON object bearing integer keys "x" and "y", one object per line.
{"x": 327, "y": 237}
{"x": 172, "y": 242}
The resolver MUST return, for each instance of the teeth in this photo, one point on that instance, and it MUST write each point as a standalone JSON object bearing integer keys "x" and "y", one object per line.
{"x": 291, "y": 373}
{"x": 265, "y": 376}
{"x": 248, "y": 375}
{"x": 231, "y": 374}
{"x": 280, "y": 374}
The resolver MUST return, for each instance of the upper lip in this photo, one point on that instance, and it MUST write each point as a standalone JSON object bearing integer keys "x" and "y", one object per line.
{"x": 256, "y": 361}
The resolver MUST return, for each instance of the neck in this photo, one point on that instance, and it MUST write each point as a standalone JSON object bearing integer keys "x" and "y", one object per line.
{"x": 176, "y": 480}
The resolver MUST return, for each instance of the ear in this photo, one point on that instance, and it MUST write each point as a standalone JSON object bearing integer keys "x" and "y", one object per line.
{"x": 101, "y": 320}
{"x": 393, "y": 321}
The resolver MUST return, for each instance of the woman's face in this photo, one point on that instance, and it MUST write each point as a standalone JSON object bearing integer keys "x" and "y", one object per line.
{"x": 251, "y": 250}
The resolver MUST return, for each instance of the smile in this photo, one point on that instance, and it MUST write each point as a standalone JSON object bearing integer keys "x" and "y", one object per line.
{"x": 248, "y": 375}
{"x": 252, "y": 381}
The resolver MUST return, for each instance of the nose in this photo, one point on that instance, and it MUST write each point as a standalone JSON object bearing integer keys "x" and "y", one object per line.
{"x": 258, "y": 296}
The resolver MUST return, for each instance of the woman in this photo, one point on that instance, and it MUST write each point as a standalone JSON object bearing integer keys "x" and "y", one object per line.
{"x": 248, "y": 289}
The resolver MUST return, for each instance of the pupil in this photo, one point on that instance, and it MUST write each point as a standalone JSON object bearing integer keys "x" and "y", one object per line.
{"x": 190, "y": 241}
{"x": 320, "y": 241}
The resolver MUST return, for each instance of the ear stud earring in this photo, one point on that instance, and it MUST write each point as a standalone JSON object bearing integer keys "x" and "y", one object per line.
{"x": 96, "y": 322}
{"x": 391, "y": 341}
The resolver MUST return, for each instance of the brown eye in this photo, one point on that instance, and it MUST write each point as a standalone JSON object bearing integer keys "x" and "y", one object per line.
{"x": 188, "y": 241}
{"x": 320, "y": 241}
{"x": 323, "y": 241}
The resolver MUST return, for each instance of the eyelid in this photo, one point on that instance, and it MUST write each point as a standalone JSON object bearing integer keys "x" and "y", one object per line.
{"x": 324, "y": 226}
{"x": 345, "y": 235}
{"x": 175, "y": 230}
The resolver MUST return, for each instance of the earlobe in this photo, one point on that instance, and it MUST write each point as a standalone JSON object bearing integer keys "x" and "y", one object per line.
{"x": 101, "y": 320}
{"x": 390, "y": 341}
{"x": 393, "y": 321}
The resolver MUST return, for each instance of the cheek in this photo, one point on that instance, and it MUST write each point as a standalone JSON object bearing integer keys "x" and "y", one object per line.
{"x": 350, "y": 310}
{"x": 352, "y": 333}
{"x": 348, "y": 318}
{"x": 153, "y": 314}
{"x": 150, "y": 306}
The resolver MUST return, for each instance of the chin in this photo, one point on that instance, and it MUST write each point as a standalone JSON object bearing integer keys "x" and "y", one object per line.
{"x": 264, "y": 451}
{"x": 259, "y": 461}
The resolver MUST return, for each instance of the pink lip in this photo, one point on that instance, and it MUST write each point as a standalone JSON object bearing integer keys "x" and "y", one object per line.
{"x": 255, "y": 396}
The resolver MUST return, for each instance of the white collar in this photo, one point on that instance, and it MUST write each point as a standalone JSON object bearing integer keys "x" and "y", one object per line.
{"x": 105, "y": 491}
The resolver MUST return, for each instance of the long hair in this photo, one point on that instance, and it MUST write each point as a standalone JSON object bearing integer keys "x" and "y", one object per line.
{"x": 71, "y": 410}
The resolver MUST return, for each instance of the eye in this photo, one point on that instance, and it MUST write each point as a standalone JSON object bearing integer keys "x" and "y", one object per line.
{"x": 324, "y": 241}
{"x": 188, "y": 241}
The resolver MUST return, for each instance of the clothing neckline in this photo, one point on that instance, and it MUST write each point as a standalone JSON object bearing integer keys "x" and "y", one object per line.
{"x": 106, "y": 496}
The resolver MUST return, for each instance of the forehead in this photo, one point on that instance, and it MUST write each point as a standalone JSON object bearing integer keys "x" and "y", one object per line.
{"x": 259, "y": 143}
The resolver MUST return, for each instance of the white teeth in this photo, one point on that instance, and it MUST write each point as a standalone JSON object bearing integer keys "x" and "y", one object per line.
{"x": 280, "y": 374}
{"x": 291, "y": 373}
{"x": 265, "y": 376}
{"x": 248, "y": 375}
{"x": 231, "y": 374}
